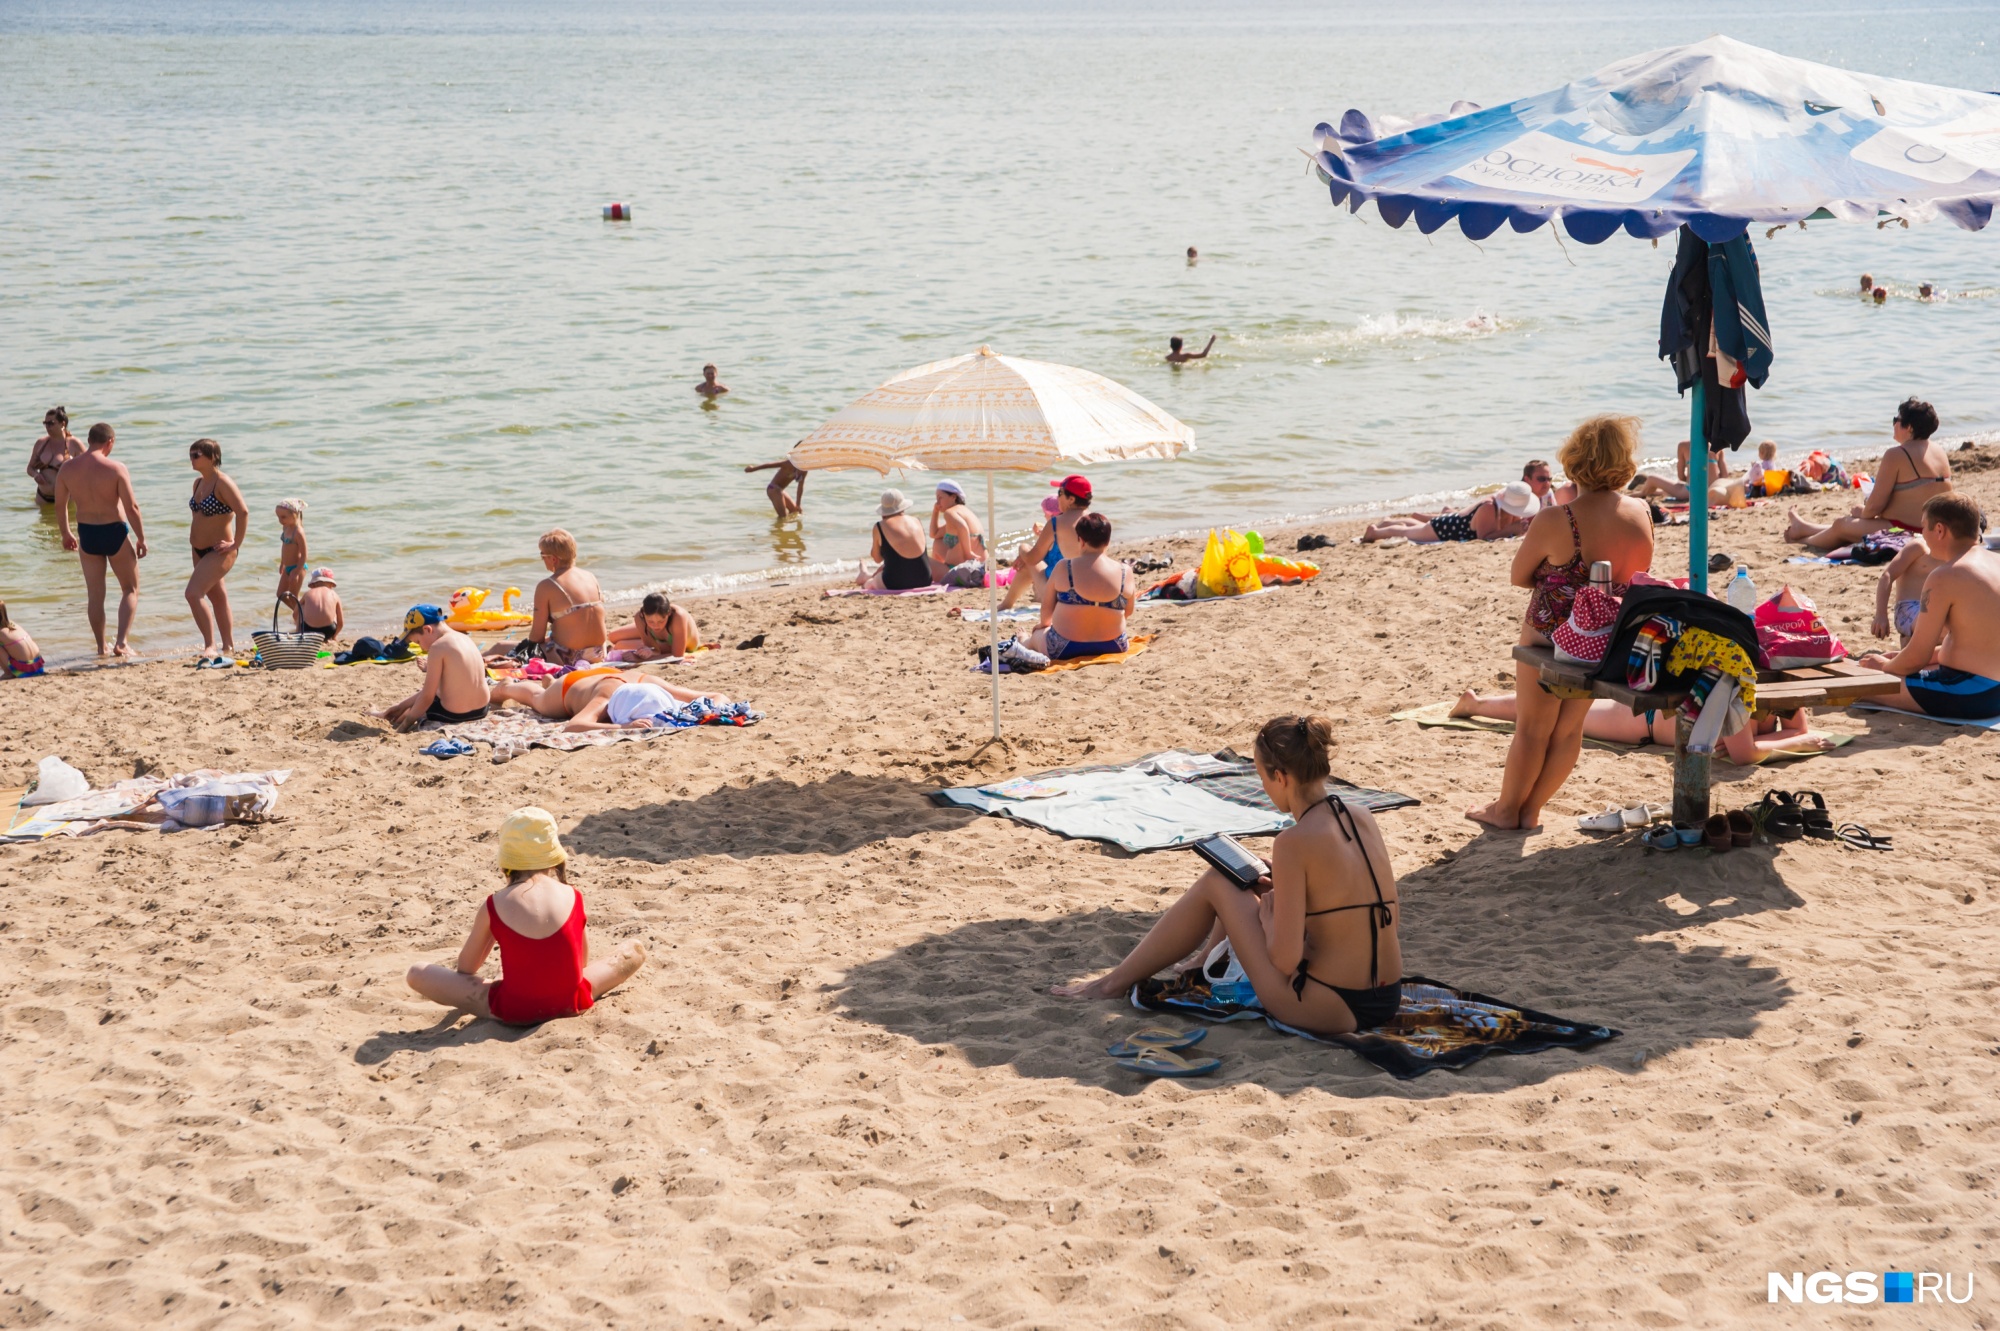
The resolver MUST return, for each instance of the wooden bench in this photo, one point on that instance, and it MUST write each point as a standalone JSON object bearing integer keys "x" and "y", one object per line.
{"x": 1779, "y": 693}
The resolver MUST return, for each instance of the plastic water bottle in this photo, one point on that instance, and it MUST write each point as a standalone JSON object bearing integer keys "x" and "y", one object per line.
{"x": 1742, "y": 592}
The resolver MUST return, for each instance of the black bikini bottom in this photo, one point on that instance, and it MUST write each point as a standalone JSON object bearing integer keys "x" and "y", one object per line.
{"x": 1372, "y": 1007}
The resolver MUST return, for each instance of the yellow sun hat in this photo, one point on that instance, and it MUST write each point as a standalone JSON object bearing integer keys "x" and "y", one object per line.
{"x": 529, "y": 840}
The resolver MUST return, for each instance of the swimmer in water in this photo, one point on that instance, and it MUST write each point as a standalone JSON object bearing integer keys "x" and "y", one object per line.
{"x": 1881, "y": 294}
{"x": 1176, "y": 356}
{"x": 708, "y": 388}
{"x": 1194, "y": 256}
{"x": 1867, "y": 284}
{"x": 787, "y": 505}
{"x": 1925, "y": 292}
{"x": 56, "y": 446}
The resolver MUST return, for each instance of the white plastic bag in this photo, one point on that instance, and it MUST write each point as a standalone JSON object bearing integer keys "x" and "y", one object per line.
{"x": 56, "y": 781}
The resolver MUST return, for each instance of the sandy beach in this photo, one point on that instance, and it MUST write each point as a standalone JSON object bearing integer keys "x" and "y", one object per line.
{"x": 838, "y": 1094}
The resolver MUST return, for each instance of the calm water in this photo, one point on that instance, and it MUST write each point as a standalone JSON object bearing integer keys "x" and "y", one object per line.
{"x": 360, "y": 244}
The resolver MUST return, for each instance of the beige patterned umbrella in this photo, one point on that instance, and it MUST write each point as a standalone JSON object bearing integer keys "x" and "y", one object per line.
{"x": 988, "y": 412}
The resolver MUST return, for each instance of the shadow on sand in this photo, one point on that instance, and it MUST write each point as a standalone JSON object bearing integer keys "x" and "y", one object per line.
{"x": 1578, "y": 931}
{"x": 452, "y": 1031}
{"x": 829, "y": 817}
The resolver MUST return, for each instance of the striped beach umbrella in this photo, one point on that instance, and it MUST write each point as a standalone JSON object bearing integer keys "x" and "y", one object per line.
{"x": 988, "y": 412}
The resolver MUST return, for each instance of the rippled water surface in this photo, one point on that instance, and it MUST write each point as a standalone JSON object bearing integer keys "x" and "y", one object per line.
{"x": 360, "y": 244}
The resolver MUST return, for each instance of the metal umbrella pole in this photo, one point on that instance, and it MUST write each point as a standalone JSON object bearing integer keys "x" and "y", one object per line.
{"x": 992, "y": 609}
{"x": 1691, "y": 769}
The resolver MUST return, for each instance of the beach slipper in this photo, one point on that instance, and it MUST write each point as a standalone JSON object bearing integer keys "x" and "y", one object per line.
{"x": 1780, "y": 816}
{"x": 1611, "y": 820}
{"x": 1812, "y": 807}
{"x": 1157, "y": 1037}
{"x": 1742, "y": 827}
{"x": 1689, "y": 834}
{"x": 447, "y": 748}
{"x": 1662, "y": 838}
{"x": 1166, "y": 1063}
{"x": 1859, "y": 837}
{"x": 1716, "y": 833}
{"x": 215, "y": 663}
{"x": 1643, "y": 815}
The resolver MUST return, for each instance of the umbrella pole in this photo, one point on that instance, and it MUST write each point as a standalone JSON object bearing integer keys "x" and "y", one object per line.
{"x": 992, "y": 609}
{"x": 1691, "y": 769}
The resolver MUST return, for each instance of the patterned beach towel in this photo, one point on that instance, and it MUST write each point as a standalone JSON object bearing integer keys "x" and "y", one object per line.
{"x": 513, "y": 731}
{"x": 1437, "y": 1026}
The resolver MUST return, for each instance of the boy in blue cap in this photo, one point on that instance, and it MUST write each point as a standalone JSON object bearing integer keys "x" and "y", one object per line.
{"x": 454, "y": 675}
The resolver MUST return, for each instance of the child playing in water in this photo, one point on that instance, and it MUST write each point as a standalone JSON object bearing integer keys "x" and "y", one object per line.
{"x": 291, "y": 551}
{"x": 537, "y": 919}
{"x": 1906, "y": 573}
{"x": 19, "y": 657}
{"x": 661, "y": 629}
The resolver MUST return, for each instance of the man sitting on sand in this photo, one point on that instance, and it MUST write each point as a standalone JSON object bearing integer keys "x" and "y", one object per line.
{"x": 787, "y": 505}
{"x": 1725, "y": 487}
{"x": 454, "y": 675}
{"x": 108, "y": 533}
{"x": 601, "y": 697}
{"x": 1951, "y": 664}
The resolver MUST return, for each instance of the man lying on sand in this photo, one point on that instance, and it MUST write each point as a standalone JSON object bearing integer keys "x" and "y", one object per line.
{"x": 1609, "y": 721}
{"x": 1491, "y": 519}
{"x": 454, "y": 675}
{"x": 537, "y": 920}
{"x": 602, "y": 698}
{"x": 1951, "y": 664}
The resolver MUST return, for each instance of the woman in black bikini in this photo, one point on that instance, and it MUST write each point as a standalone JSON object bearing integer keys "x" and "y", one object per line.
{"x": 898, "y": 549}
{"x": 1318, "y": 938}
{"x": 215, "y": 531}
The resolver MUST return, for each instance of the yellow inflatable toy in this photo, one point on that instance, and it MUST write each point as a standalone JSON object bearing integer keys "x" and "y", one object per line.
{"x": 466, "y": 616}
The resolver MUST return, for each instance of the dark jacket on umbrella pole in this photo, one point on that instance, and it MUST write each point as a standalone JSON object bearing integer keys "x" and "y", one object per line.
{"x": 1715, "y": 303}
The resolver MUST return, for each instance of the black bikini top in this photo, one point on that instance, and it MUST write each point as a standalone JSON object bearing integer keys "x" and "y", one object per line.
{"x": 1381, "y": 914}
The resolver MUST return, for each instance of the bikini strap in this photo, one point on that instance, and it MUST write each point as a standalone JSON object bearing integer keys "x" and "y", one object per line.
{"x": 1380, "y": 914}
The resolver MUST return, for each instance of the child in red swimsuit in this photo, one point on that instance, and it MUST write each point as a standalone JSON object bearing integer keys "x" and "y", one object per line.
{"x": 537, "y": 919}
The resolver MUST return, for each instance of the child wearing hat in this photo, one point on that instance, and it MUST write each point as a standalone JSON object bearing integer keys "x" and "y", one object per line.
{"x": 319, "y": 607}
{"x": 455, "y": 688}
{"x": 537, "y": 920}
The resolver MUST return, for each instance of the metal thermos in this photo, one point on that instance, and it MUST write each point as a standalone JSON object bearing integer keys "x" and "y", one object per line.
{"x": 1600, "y": 576}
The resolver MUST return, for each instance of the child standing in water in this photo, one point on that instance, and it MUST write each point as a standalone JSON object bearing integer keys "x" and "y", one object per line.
{"x": 291, "y": 551}
{"x": 537, "y": 919}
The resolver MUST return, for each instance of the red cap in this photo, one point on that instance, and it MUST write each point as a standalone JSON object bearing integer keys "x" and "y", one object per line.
{"x": 1076, "y": 487}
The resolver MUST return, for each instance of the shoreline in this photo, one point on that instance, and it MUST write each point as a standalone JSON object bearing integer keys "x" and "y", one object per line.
{"x": 711, "y": 587}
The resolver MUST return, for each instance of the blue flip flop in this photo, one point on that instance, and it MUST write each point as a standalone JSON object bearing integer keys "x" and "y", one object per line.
{"x": 1157, "y": 1037}
{"x": 447, "y": 748}
{"x": 1166, "y": 1063}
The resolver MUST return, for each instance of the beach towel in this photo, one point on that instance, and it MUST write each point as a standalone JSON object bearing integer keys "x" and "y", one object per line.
{"x": 1437, "y": 1026}
{"x": 1160, "y": 802}
{"x": 207, "y": 797}
{"x": 1136, "y": 644}
{"x": 1438, "y": 714}
{"x": 1018, "y": 613}
{"x": 1987, "y": 723}
{"x": 513, "y": 731}
{"x": 933, "y": 590}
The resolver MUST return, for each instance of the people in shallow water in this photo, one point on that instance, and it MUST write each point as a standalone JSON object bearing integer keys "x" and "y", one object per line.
{"x": 1317, "y": 936}
{"x": 1615, "y": 724}
{"x": 1088, "y": 599}
{"x": 109, "y": 532}
{"x": 1177, "y": 356}
{"x": 454, "y": 688}
{"x": 56, "y": 446}
{"x": 785, "y": 505}
{"x": 708, "y": 387}
{"x": 537, "y": 920}
{"x": 1491, "y": 519}
{"x": 1951, "y": 664}
{"x": 1911, "y": 472}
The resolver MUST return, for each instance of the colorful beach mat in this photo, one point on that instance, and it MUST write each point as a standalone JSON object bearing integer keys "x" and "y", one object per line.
{"x": 934, "y": 589}
{"x": 1437, "y": 1026}
{"x": 1438, "y": 715}
{"x": 1137, "y": 643}
{"x": 513, "y": 731}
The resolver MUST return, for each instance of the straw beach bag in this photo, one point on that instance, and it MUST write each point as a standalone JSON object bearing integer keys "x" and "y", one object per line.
{"x": 286, "y": 651}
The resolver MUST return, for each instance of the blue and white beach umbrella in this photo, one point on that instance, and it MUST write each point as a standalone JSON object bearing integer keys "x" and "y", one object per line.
{"x": 1716, "y": 136}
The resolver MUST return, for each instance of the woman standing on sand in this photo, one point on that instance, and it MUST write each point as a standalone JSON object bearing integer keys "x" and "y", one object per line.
{"x": 220, "y": 517}
{"x": 1554, "y": 561}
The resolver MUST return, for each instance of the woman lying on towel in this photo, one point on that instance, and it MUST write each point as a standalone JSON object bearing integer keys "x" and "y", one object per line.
{"x": 1317, "y": 937}
{"x": 1608, "y": 721}
{"x": 1492, "y": 519}
{"x": 1087, "y": 599}
{"x": 602, "y": 698}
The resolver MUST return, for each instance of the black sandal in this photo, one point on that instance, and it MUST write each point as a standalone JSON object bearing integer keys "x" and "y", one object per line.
{"x": 1780, "y": 816}
{"x": 1812, "y": 804}
{"x": 1859, "y": 837}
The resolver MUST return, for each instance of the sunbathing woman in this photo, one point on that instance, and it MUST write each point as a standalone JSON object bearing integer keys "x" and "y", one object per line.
{"x": 1911, "y": 472}
{"x": 957, "y": 537}
{"x": 569, "y": 610}
{"x": 897, "y": 549}
{"x": 1554, "y": 560}
{"x": 1318, "y": 938}
{"x": 661, "y": 629}
{"x": 538, "y": 921}
{"x": 1613, "y": 723}
{"x": 581, "y": 696}
{"x": 1491, "y": 519}
{"x": 1088, "y": 599}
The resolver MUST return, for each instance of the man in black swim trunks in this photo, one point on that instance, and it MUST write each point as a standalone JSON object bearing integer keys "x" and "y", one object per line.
{"x": 454, "y": 688}
{"x": 102, "y": 492}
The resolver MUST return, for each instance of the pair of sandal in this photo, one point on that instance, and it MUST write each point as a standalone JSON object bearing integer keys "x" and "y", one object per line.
{"x": 1723, "y": 831}
{"x": 1615, "y": 819}
{"x": 1789, "y": 815}
{"x": 1155, "y": 1052}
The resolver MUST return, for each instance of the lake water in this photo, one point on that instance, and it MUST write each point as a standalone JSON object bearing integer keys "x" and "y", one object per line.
{"x": 360, "y": 244}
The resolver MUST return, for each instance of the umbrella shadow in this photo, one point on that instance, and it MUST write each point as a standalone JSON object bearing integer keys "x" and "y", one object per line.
{"x": 827, "y": 817}
{"x": 1580, "y": 931}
